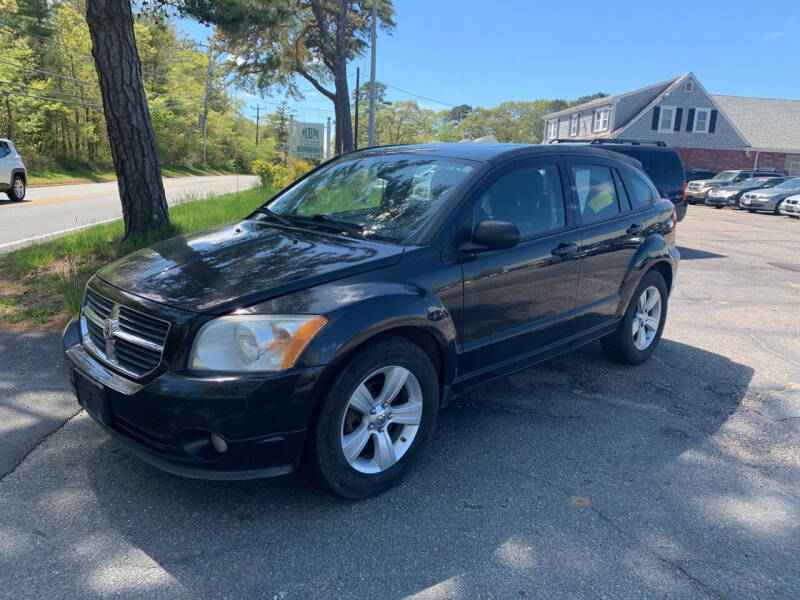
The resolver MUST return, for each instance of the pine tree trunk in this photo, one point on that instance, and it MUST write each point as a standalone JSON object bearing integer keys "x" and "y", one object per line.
{"x": 130, "y": 130}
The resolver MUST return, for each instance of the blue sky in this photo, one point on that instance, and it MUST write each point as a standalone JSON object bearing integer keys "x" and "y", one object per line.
{"x": 457, "y": 52}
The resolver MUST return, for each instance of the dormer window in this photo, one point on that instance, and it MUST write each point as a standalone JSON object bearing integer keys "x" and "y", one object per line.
{"x": 601, "y": 117}
{"x": 552, "y": 129}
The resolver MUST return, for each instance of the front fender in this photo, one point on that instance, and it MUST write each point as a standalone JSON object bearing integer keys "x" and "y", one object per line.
{"x": 357, "y": 312}
{"x": 655, "y": 249}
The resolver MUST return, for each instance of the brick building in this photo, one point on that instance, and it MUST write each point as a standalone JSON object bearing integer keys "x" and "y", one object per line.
{"x": 708, "y": 131}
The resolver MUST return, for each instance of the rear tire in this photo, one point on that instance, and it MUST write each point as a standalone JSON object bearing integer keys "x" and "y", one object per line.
{"x": 16, "y": 193}
{"x": 639, "y": 332}
{"x": 717, "y": 206}
{"x": 752, "y": 210}
{"x": 377, "y": 418}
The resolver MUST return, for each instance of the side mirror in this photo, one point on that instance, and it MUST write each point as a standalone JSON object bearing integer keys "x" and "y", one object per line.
{"x": 492, "y": 235}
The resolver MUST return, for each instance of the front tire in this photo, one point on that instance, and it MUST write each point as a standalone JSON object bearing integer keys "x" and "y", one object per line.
{"x": 17, "y": 191}
{"x": 777, "y": 209}
{"x": 377, "y": 418}
{"x": 639, "y": 332}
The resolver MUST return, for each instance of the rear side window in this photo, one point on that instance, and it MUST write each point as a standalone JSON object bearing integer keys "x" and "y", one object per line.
{"x": 597, "y": 196}
{"x": 665, "y": 166}
{"x": 640, "y": 193}
{"x": 530, "y": 197}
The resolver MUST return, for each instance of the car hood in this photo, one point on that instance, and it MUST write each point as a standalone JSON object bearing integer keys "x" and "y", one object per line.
{"x": 774, "y": 192}
{"x": 220, "y": 269}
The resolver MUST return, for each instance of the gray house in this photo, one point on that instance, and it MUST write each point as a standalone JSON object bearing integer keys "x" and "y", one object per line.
{"x": 708, "y": 131}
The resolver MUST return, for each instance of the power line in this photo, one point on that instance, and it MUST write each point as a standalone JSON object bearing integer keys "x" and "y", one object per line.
{"x": 30, "y": 87}
{"x": 15, "y": 93}
{"x": 12, "y": 28}
{"x": 394, "y": 87}
{"x": 79, "y": 81}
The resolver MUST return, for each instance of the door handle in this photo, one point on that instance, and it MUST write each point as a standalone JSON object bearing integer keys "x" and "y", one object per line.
{"x": 635, "y": 229}
{"x": 564, "y": 249}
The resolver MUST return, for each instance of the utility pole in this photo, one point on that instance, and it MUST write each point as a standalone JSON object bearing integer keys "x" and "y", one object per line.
{"x": 328, "y": 145}
{"x": 358, "y": 95}
{"x": 207, "y": 100}
{"x": 373, "y": 39}
{"x": 258, "y": 119}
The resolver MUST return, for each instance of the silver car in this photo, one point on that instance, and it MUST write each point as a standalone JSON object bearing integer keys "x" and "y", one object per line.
{"x": 791, "y": 206}
{"x": 770, "y": 199}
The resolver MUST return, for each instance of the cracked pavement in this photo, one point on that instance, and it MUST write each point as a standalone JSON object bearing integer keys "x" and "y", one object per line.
{"x": 577, "y": 478}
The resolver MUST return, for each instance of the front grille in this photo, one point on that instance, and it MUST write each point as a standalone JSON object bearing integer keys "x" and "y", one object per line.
{"x": 125, "y": 338}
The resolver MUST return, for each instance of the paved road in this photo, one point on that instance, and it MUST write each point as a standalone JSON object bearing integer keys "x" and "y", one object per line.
{"x": 579, "y": 478}
{"x": 59, "y": 209}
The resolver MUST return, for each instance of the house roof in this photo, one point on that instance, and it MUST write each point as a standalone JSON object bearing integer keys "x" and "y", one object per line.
{"x": 598, "y": 102}
{"x": 765, "y": 123}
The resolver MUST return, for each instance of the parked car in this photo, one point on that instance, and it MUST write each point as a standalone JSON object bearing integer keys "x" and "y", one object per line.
{"x": 696, "y": 191}
{"x": 335, "y": 320}
{"x": 699, "y": 174}
{"x": 770, "y": 199}
{"x": 729, "y": 195}
{"x": 659, "y": 161}
{"x": 13, "y": 175}
{"x": 791, "y": 206}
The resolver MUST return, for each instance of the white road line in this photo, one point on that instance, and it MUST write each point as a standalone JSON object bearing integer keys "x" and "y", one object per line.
{"x": 37, "y": 238}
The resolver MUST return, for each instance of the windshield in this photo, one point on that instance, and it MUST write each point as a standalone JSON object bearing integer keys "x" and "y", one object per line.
{"x": 387, "y": 197}
{"x": 752, "y": 182}
{"x": 790, "y": 183}
{"x": 725, "y": 176}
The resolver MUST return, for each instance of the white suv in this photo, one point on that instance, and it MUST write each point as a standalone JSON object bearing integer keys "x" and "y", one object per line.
{"x": 13, "y": 175}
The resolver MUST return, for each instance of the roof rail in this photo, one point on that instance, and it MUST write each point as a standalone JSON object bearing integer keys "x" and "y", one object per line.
{"x": 601, "y": 141}
{"x": 628, "y": 141}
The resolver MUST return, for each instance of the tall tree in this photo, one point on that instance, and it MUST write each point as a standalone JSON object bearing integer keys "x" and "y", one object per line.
{"x": 362, "y": 93}
{"x": 130, "y": 131}
{"x": 275, "y": 42}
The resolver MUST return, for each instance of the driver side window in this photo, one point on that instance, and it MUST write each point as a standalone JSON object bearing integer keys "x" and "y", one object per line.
{"x": 530, "y": 197}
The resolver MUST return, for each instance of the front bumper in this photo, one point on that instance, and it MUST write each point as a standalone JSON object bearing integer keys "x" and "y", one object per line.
{"x": 168, "y": 422}
{"x": 697, "y": 195}
{"x": 757, "y": 204}
{"x": 719, "y": 201}
{"x": 792, "y": 210}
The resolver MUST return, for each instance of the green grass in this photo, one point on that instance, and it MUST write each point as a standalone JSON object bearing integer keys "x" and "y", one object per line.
{"x": 81, "y": 174}
{"x": 52, "y": 274}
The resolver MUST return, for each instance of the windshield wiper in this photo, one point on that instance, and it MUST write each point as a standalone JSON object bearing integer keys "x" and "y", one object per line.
{"x": 347, "y": 226}
{"x": 263, "y": 210}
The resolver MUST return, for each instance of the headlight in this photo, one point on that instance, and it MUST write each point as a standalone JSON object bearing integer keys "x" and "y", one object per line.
{"x": 253, "y": 342}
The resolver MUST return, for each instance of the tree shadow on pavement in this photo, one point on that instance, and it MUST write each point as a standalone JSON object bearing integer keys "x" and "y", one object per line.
{"x": 576, "y": 478}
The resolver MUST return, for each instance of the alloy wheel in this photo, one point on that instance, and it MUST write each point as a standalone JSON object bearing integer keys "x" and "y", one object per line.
{"x": 381, "y": 419}
{"x": 19, "y": 188}
{"x": 647, "y": 318}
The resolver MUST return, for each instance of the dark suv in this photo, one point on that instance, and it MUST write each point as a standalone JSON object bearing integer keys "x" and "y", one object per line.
{"x": 659, "y": 161}
{"x": 334, "y": 322}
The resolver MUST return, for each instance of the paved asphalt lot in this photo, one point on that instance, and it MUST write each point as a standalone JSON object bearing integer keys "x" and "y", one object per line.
{"x": 58, "y": 209}
{"x": 576, "y": 479}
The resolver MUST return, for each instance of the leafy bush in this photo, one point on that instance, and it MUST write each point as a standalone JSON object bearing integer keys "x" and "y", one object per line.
{"x": 278, "y": 176}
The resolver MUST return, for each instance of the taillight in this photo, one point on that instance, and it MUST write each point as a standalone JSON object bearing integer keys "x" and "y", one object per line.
{"x": 684, "y": 191}
{"x": 674, "y": 217}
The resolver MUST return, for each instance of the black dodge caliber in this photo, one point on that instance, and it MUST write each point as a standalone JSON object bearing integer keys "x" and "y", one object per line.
{"x": 331, "y": 324}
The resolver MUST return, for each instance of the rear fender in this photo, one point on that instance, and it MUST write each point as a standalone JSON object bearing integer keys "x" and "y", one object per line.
{"x": 654, "y": 250}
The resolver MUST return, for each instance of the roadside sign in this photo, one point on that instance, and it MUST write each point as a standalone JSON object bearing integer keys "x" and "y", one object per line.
{"x": 309, "y": 140}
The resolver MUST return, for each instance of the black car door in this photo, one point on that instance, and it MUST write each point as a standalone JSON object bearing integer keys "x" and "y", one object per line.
{"x": 519, "y": 301}
{"x": 613, "y": 224}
